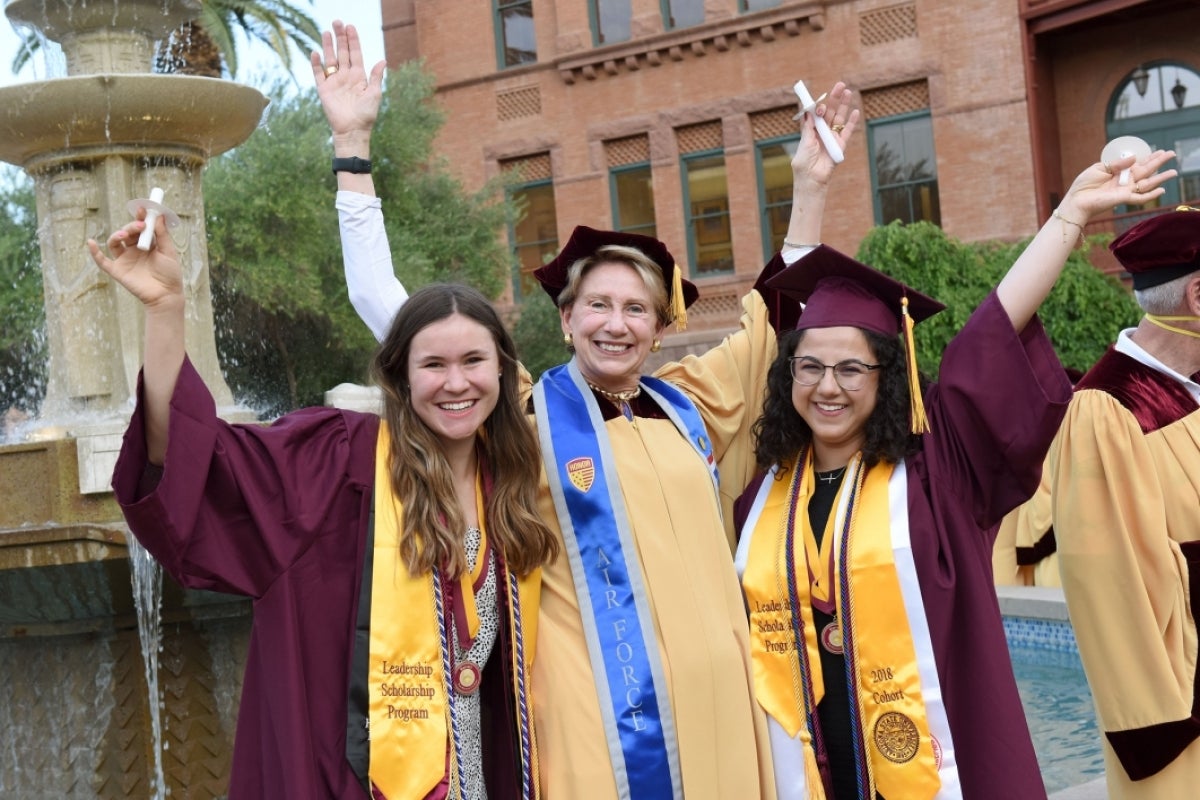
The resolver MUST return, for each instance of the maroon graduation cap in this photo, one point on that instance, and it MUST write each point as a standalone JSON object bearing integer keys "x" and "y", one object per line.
{"x": 584, "y": 243}
{"x": 1161, "y": 248}
{"x": 837, "y": 290}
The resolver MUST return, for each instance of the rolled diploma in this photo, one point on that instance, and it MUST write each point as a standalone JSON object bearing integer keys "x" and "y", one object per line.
{"x": 146, "y": 240}
{"x": 827, "y": 138}
{"x": 1125, "y": 173}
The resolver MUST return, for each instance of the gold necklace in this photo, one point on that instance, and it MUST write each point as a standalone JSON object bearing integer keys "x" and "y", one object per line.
{"x": 617, "y": 397}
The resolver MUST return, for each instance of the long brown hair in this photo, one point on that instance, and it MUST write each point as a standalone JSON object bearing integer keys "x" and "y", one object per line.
{"x": 433, "y": 524}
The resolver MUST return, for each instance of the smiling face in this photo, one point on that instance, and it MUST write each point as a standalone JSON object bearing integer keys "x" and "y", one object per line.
{"x": 613, "y": 325}
{"x": 837, "y": 418}
{"x": 454, "y": 378}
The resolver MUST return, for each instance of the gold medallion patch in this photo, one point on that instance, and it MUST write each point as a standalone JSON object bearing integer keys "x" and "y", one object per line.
{"x": 896, "y": 737}
{"x": 581, "y": 471}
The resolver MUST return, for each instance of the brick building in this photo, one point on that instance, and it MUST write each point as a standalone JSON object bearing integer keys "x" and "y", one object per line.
{"x": 673, "y": 117}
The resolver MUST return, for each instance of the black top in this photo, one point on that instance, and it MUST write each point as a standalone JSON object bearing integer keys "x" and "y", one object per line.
{"x": 833, "y": 712}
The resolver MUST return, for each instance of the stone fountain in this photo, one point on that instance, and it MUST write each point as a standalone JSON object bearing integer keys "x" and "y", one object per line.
{"x": 79, "y": 708}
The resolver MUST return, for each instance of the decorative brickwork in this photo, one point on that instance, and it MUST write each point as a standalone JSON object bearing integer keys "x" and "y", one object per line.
{"x": 726, "y": 304}
{"x": 719, "y": 37}
{"x": 890, "y": 24}
{"x": 627, "y": 150}
{"x": 529, "y": 168}
{"x": 695, "y": 138}
{"x": 774, "y": 123}
{"x": 517, "y": 103}
{"x": 903, "y": 98}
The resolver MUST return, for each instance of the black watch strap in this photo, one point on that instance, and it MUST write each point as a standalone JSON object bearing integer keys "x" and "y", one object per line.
{"x": 359, "y": 166}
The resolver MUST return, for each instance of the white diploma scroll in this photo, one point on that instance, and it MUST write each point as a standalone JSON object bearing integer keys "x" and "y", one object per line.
{"x": 827, "y": 138}
{"x": 1124, "y": 147}
{"x": 154, "y": 209}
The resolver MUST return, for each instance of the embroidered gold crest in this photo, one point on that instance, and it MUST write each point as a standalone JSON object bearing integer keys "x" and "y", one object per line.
{"x": 581, "y": 471}
{"x": 896, "y": 737}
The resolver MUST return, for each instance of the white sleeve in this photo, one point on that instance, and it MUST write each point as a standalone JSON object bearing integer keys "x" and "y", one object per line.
{"x": 375, "y": 292}
{"x": 794, "y": 254}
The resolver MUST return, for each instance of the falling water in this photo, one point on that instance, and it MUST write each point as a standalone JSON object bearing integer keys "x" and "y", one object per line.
{"x": 146, "y": 574}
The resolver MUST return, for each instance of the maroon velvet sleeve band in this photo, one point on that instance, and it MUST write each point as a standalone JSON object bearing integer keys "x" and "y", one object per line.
{"x": 1146, "y": 751}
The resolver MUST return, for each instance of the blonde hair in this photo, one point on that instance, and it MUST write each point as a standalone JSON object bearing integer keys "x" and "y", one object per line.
{"x": 646, "y": 268}
{"x": 433, "y": 525}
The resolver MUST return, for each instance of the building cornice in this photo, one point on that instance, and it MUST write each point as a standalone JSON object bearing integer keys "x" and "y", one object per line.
{"x": 697, "y": 41}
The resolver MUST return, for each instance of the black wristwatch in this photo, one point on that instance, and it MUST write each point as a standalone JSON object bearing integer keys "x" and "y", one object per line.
{"x": 359, "y": 166}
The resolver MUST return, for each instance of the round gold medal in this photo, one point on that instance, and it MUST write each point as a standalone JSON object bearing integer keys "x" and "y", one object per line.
{"x": 831, "y": 638}
{"x": 467, "y": 677}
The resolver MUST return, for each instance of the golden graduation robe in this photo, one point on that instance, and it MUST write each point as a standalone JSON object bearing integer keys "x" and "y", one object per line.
{"x": 684, "y": 552}
{"x": 1025, "y": 553}
{"x": 1126, "y": 496}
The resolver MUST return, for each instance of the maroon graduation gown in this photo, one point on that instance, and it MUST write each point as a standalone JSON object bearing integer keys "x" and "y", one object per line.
{"x": 999, "y": 400}
{"x": 277, "y": 513}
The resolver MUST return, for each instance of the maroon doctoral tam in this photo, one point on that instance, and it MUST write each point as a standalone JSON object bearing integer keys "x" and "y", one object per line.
{"x": 1161, "y": 248}
{"x": 584, "y": 243}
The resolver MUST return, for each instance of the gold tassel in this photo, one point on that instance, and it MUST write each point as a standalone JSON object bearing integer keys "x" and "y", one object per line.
{"x": 920, "y": 424}
{"x": 812, "y": 773}
{"x": 678, "y": 304}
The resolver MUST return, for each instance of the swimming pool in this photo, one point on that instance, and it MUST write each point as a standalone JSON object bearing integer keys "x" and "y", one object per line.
{"x": 1058, "y": 706}
{"x": 1055, "y": 694}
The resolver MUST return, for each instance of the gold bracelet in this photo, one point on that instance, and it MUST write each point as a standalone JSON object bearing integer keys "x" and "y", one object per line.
{"x": 1066, "y": 222}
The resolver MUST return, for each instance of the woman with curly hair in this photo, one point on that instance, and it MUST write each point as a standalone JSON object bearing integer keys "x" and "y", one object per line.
{"x": 865, "y": 547}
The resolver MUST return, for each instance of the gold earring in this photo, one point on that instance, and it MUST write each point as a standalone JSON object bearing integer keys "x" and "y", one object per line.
{"x": 567, "y": 339}
{"x": 654, "y": 348}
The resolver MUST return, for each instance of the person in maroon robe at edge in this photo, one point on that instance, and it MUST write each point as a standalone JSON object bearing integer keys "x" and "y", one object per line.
{"x": 369, "y": 547}
{"x": 866, "y": 556}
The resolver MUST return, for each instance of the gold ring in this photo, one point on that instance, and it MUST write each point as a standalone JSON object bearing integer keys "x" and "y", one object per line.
{"x": 837, "y": 128}
{"x": 1137, "y": 187}
{"x": 332, "y": 68}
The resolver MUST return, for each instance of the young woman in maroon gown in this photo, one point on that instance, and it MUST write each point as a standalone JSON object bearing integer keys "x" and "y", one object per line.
{"x": 865, "y": 553}
{"x": 394, "y": 563}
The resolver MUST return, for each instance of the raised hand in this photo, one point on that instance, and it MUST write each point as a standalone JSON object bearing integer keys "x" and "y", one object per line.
{"x": 1098, "y": 189}
{"x": 154, "y": 277}
{"x": 811, "y": 161}
{"x": 349, "y": 95}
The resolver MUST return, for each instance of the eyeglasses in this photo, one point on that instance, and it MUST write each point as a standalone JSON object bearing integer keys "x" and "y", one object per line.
{"x": 850, "y": 374}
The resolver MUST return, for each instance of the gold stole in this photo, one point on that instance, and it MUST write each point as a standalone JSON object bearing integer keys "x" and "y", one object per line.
{"x": 878, "y": 640}
{"x": 406, "y": 674}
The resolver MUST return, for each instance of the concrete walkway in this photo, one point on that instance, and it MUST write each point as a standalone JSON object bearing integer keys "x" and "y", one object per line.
{"x": 1085, "y": 791}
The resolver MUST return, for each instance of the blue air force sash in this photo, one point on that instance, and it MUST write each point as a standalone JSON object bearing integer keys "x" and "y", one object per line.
{"x": 617, "y": 621}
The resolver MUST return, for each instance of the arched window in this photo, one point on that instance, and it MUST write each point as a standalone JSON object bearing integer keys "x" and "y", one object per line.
{"x": 1160, "y": 102}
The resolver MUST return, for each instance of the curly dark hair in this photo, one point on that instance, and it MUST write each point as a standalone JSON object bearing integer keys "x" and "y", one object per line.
{"x": 781, "y": 434}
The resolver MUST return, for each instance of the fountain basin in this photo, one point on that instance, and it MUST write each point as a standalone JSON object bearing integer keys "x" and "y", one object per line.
{"x": 57, "y": 20}
{"x": 69, "y": 119}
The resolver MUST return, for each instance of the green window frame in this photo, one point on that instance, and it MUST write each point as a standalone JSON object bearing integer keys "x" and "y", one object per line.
{"x": 747, "y": 6}
{"x": 611, "y": 21}
{"x": 681, "y": 13}
{"x": 513, "y": 19}
{"x": 631, "y": 191}
{"x": 533, "y": 235}
{"x": 904, "y": 169}
{"x": 706, "y": 213}
{"x": 1166, "y": 116}
{"x": 773, "y": 166}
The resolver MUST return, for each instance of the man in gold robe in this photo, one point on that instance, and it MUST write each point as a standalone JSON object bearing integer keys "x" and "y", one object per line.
{"x": 1126, "y": 492}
